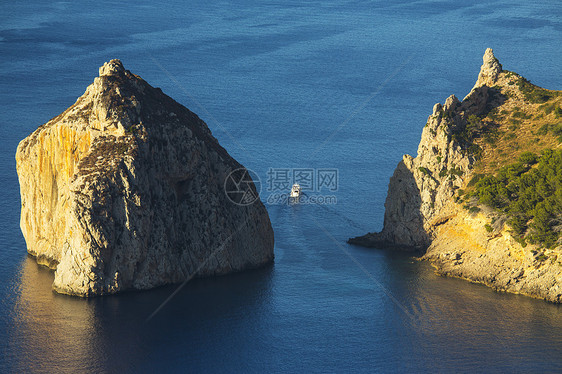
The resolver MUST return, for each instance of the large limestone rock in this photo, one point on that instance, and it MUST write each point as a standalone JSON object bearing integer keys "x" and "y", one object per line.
{"x": 125, "y": 190}
{"x": 421, "y": 211}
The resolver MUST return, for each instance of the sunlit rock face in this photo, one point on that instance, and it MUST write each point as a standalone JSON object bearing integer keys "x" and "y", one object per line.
{"x": 126, "y": 190}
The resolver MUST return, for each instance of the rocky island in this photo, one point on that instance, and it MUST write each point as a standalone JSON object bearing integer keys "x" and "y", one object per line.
{"x": 483, "y": 198}
{"x": 126, "y": 190}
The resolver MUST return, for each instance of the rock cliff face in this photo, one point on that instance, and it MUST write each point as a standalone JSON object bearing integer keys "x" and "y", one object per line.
{"x": 422, "y": 212}
{"x": 421, "y": 188}
{"x": 125, "y": 190}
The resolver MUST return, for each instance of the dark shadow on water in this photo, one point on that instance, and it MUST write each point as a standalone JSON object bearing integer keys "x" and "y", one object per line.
{"x": 68, "y": 334}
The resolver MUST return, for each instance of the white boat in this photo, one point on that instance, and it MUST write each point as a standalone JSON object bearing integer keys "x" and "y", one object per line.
{"x": 295, "y": 190}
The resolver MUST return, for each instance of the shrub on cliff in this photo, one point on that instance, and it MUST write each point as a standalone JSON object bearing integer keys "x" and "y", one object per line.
{"x": 529, "y": 192}
{"x": 533, "y": 93}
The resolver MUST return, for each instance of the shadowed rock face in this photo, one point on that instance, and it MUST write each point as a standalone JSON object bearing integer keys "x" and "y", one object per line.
{"x": 422, "y": 188}
{"x": 125, "y": 190}
{"x": 403, "y": 219}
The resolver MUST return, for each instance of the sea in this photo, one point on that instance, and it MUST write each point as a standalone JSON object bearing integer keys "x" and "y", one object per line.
{"x": 332, "y": 93}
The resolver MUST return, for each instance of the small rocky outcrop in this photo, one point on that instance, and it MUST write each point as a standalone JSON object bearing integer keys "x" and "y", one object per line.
{"x": 125, "y": 190}
{"x": 423, "y": 210}
{"x": 490, "y": 70}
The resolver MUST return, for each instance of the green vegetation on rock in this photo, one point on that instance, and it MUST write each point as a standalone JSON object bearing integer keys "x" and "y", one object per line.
{"x": 532, "y": 93}
{"x": 529, "y": 192}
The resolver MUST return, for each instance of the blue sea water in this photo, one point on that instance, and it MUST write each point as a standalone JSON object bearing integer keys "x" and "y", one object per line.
{"x": 344, "y": 85}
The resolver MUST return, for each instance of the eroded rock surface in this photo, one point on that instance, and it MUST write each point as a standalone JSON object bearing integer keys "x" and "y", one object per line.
{"x": 125, "y": 190}
{"x": 422, "y": 211}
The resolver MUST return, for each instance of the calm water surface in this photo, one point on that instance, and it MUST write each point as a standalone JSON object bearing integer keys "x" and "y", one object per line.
{"x": 274, "y": 80}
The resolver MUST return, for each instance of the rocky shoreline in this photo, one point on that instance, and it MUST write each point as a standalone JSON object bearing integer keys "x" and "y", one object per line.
{"x": 424, "y": 214}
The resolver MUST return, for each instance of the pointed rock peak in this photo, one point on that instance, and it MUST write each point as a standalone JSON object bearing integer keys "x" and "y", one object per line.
{"x": 490, "y": 70}
{"x": 113, "y": 67}
{"x": 437, "y": 108}
{"x": 451, "y": 103}
{"x": 489, "y": 57}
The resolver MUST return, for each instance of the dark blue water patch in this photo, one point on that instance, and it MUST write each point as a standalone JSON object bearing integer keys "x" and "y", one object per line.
{"x": 485, "y": 9}
{"x": 48, "y": 35}
{"x": 265, "y": 25}
{"x": 432, "y": 8}
{"x": 525, "y": 23}
{"x": 234, "y": 47}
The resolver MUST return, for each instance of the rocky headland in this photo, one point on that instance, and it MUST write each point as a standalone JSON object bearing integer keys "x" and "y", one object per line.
{"x": 126, "y": 190}
{"x": 437, "y": 207}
